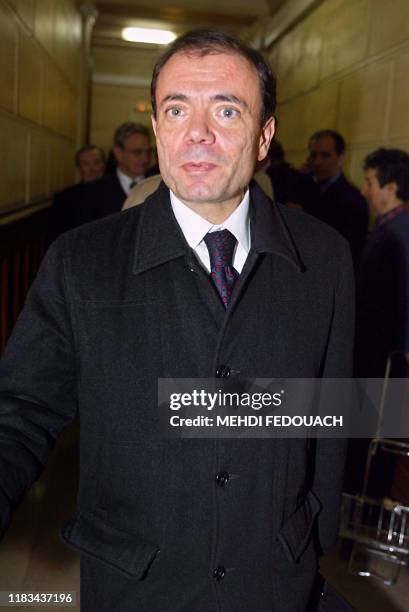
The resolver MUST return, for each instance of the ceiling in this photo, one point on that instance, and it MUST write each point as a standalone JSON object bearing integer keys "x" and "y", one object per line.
{"x": 235, "y": 16}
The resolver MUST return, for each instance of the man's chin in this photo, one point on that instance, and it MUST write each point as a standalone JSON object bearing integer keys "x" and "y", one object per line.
{"x": 197, "y": 193}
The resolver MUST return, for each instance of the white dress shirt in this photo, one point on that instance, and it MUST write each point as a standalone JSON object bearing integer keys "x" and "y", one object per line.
{"x": 195, "y": 228}
{"x": 126, "y": 181}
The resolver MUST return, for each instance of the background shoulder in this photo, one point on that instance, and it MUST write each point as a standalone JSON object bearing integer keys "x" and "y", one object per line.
{"x": 308, "y": 231}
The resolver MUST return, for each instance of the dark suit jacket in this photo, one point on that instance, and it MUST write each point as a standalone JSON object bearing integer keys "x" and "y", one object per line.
{"x": 383, "y": 297}
{"x": 65, "y": 211}
{"x": 343, "y": 208}
{"x": 118, "y": 304}
{"x": 100, "y": 198}
{"x": 291, "y": 185}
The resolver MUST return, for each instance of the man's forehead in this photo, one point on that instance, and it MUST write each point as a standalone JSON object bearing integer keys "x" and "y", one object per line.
{"x": 324, "y": 143}
{"x": 137, "y": 137}
{"x": 371, "y": 173}
{"x": 188, "y": 65}
{"x": 89, "y": 154}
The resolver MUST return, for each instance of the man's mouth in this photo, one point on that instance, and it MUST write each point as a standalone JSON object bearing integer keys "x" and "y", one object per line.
{"x": 198, "y": 167}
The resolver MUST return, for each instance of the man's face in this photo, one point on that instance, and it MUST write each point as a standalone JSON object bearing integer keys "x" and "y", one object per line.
{"x": 90, "y": 165}
{"x": 134, "y": 159}
{"x": 380, "y": 199}
{"x": 208, "y": 127}
{"x": 324, "y": 161}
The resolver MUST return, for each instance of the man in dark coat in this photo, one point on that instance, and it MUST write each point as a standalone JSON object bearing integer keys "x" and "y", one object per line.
{"x": 383, "y": 276}
{"x": 172, "y": 525}
{"x": 290, "y": 186}
{"x": 382, "y": 321}
{"x": 132, "y": 152}
{"x": 90, "y": 164}
{"x": 337, "y": 202}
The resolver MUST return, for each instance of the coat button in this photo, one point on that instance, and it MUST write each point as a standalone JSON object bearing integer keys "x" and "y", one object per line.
{"x": 223, "y": 371}
{"x": 219, "y": 573}
{"x": 222, "y": 478}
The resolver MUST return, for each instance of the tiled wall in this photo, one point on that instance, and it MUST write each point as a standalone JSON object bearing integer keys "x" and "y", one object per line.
{"x": 40, "y": 50}
{"x": 346, "y": 67}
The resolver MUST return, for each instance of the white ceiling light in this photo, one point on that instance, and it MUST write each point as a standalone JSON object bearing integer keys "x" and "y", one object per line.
{"x": 148, "y": 35}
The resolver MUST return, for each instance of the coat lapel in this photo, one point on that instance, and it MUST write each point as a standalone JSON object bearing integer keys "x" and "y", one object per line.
{"x": 159, "y": 240}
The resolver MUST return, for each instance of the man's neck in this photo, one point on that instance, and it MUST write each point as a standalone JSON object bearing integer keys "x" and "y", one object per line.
{"x": 214, "y": 212}
{"x": 391, "y": 205}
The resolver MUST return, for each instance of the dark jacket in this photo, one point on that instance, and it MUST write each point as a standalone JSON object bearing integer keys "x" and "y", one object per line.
{"x": 291, "y": 186}
{"x": 100, "y": 198}
{"x": 65, "y": 211}
{"x": 382, "y": 324}
{"x": 122, "y": 302}
{"x": 343, "y": 207}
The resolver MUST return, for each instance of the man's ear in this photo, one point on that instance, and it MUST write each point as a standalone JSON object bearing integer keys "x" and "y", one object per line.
{"x": 341, "y": 159}
{"x": 117, "y": 153}
{"x": 153, "y": 124}
{"x": 392, "y": 188}
{"x": 266, "y": 136}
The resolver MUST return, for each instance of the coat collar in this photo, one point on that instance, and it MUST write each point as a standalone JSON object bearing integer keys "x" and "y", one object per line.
{"x": 269, "y": 230}
{"x": 159, "y": 238}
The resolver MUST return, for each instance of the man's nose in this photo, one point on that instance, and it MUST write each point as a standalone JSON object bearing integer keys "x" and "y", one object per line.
{"x": 199, "y": 129}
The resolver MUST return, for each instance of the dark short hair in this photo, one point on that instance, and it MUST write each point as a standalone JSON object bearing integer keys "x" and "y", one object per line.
{"x": 339, "y": 142}
{"x": 209, "y": 42}
{"x": 87, "y": 148}
{"x": 125, "y": 130}
{"x": 392, "y": 166}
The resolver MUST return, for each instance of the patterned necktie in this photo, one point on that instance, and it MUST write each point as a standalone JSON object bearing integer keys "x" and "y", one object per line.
{"x": 221, "y": 248}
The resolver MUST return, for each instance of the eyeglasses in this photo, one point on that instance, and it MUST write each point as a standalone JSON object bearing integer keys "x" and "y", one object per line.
{"x": 138, "y": 152}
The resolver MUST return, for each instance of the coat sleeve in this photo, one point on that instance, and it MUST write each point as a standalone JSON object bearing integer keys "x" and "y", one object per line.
{"x": 330, "y": 453}
{"x": 37, "y": 383}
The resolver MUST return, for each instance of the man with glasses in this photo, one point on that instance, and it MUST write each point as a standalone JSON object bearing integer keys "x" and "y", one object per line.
{"x": 132, "y": 151}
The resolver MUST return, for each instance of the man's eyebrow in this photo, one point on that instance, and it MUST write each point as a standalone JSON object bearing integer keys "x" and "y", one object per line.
{"x": 178, "y": 97}
{"x": 230, "y": 98}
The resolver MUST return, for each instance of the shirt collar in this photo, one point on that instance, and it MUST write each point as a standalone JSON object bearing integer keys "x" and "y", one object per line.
{"x": 382, "y": 219}
{"x": 159, "y": 238}
{"x": 195, "y": 228}
{"x": 126, "y": 180}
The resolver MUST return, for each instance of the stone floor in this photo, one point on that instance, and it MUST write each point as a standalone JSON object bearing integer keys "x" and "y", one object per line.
{"x": 32, "y": 556}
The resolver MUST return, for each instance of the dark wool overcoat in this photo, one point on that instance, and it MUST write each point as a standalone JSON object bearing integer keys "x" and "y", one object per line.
{"x": 123, "y": 301}
{"x": 382, "y": 322}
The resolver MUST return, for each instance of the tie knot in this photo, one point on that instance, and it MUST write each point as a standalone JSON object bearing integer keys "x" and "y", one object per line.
{"x": 221, "y": 246}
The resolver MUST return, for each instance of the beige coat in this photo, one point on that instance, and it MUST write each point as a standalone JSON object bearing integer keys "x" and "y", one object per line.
{"x": 141, "y": 191}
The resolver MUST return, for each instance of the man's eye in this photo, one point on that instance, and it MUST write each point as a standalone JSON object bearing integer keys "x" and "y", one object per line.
{"x": 174, "y": 111}
{"x": 229, "y": 113}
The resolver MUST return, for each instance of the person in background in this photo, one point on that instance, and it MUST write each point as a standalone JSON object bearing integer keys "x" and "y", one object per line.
{"x": 111, "y": 164}
{"x": 290, "y": 186}
{"x": 132, "y": 151}
{"x": 64, "y": 215}
{"x": 90, "y": 163}
{"x": 142, "y": 191}
{"x": 382, "y": 301}
{"x": 336, "y": 202}
{"x": 382, "y": 323}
